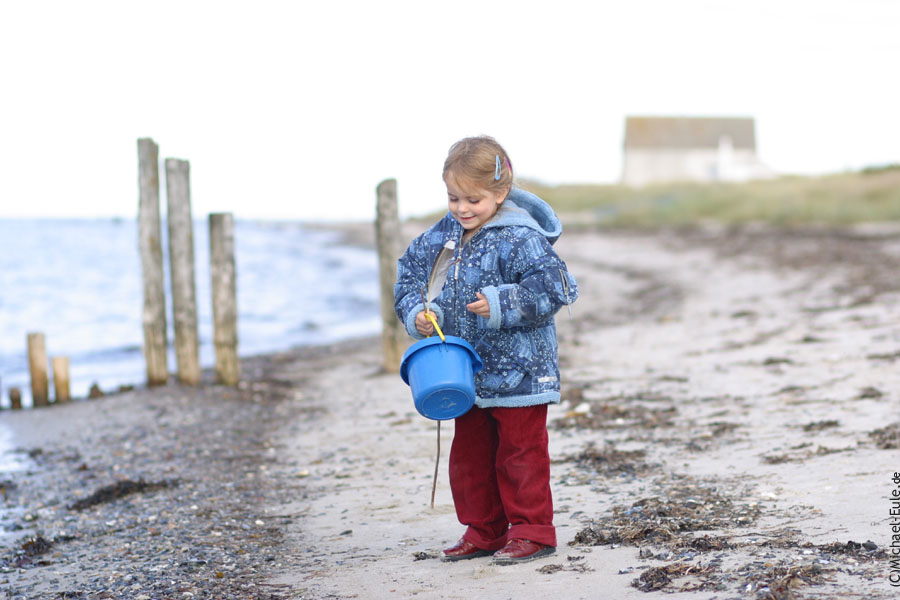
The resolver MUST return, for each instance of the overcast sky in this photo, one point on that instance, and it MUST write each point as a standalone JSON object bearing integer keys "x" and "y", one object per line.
{"x": 299, "y": 109}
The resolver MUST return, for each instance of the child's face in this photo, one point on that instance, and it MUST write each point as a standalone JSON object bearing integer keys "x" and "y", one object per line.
{"x": 470, "y": 205}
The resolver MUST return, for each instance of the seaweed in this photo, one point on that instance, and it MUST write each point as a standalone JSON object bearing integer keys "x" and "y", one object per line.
{"x": 120, "y": 489}
{"x": 657, "y": 578}
{"x": 887, "y": 438}
{"x": 608, "y": 460}
{"x": 683, "y": 509}
{"x": 613, "y": 415}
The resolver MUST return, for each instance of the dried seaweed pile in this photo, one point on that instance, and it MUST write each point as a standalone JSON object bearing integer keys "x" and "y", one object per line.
{"x": 608, "y": 460}
{"x": 780, "y": 582}
{"x": 800, "y": 453}
{"x": 618, "y": 413}
{"x": 699, "y": 531}
{"x": 887, "y": 438}
{"x": 665, "y": 528}
{"x": 680, "y": 510}
{"x": 657, "y": 578}
{"x": 119, "y": 489}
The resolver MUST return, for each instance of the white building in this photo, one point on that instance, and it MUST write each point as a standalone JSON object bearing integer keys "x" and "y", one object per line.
{"x": 659, "y": 149}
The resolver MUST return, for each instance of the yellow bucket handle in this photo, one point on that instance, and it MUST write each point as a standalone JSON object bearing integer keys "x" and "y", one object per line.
{"x": 437, "y": 327}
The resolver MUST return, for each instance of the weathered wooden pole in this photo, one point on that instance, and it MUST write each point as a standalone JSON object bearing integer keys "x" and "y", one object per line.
{"x": 15, "y": 398}
{"x": 181, "y": 270}
{"x": 224, "y": 297}
{"x": 150, "y": 246}
{"x": 61, "y": 378}
{"x": 37, "y": 364}
{"x": 389, "y": 242}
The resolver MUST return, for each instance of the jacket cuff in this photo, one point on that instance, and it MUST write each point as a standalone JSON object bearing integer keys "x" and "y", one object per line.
{"x": 493, "y": 297}
{"x": 411, "y": 319}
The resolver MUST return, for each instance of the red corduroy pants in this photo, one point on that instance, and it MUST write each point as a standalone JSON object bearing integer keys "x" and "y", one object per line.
{"x": 500, "y": 476}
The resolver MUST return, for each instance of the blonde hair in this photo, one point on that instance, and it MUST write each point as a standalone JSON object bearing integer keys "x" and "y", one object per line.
{"x": 472, "y": 162}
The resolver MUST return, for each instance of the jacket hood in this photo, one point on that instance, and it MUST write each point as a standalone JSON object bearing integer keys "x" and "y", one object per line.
{"x": 525, "y": 209}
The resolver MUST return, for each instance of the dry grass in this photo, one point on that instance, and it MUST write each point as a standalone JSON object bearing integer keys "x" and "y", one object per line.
{"x": 842, "y": 199}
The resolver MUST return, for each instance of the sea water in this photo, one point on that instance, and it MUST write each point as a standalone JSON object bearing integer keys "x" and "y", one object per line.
{"x": 79, "y": 282}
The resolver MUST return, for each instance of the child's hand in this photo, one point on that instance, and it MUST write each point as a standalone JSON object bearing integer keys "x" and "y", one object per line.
{"x": 423, "y": 325}
{"x": 480, "y": 307}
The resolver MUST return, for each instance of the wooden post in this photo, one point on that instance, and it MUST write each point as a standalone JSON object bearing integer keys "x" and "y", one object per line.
{"x": 61, "y": 378}
{"x": 224, "y": 297}
{"x": 15, "y": 398}
{"x": 388, "y": 239}
{"x": 37, "y": 363}
{"x": 181, "y": 270}
{"x": 150, "y": 246}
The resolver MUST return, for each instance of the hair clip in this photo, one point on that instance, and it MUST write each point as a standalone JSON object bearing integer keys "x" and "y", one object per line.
{"x": 508, "y": 166}
{"x": 497, "y": 168}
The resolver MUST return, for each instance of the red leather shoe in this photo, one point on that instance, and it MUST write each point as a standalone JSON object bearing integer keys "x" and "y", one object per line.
{"x": 463, "y": 550}
{"x": 518, "y": 550}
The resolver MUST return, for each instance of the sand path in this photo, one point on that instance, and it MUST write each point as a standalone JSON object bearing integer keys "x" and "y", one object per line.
{"x": 736, "y": 375}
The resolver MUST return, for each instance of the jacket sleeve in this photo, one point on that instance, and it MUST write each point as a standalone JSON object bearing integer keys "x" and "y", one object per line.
{"x": 544, "y": 286}
{"x": 412, "y": 276}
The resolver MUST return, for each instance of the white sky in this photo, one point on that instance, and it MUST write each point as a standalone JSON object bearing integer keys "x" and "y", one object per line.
{"x": 299, "y": 109}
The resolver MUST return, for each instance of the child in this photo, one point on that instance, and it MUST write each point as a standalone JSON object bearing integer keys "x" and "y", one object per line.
{"x": 501, "y": 296}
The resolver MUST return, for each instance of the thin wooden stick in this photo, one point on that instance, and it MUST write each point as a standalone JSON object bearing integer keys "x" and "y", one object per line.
{"x": 436, "y": 463}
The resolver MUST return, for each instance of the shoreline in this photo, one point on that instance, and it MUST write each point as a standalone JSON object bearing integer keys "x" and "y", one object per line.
{"x": 711, "y": 381}
{"x": 85, "y": 297}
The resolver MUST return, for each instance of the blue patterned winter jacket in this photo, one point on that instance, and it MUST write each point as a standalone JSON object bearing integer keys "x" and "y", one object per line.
{"x": 510, "y": 260}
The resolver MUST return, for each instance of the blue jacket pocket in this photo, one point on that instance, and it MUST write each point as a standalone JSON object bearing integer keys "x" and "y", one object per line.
{"x": 503, "y": 372}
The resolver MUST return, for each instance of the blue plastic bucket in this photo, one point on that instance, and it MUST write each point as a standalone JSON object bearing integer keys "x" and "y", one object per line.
{"x": 441, "y": 376}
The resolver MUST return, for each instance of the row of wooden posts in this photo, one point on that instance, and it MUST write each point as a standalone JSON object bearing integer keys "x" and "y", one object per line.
{"x": 40, "y": 381}
{"x": 184, "y": 301}
{"x": 389, "y": 242}
{"x": 181, "y": 271}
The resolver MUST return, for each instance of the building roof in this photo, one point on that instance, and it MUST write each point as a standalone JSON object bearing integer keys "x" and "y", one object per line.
{"x": 688, "y": 132}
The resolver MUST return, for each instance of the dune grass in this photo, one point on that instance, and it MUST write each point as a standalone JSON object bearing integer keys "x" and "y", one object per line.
{"x": 872, "y": 195}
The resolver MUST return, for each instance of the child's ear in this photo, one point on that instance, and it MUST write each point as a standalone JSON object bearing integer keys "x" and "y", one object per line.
{"x": 505, "y": 195}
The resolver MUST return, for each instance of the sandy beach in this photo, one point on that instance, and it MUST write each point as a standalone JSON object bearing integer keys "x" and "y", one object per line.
{"x": 729, "y": 429}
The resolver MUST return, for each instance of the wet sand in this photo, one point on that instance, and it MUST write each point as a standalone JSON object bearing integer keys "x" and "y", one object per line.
{"x": 729, "y": 429}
